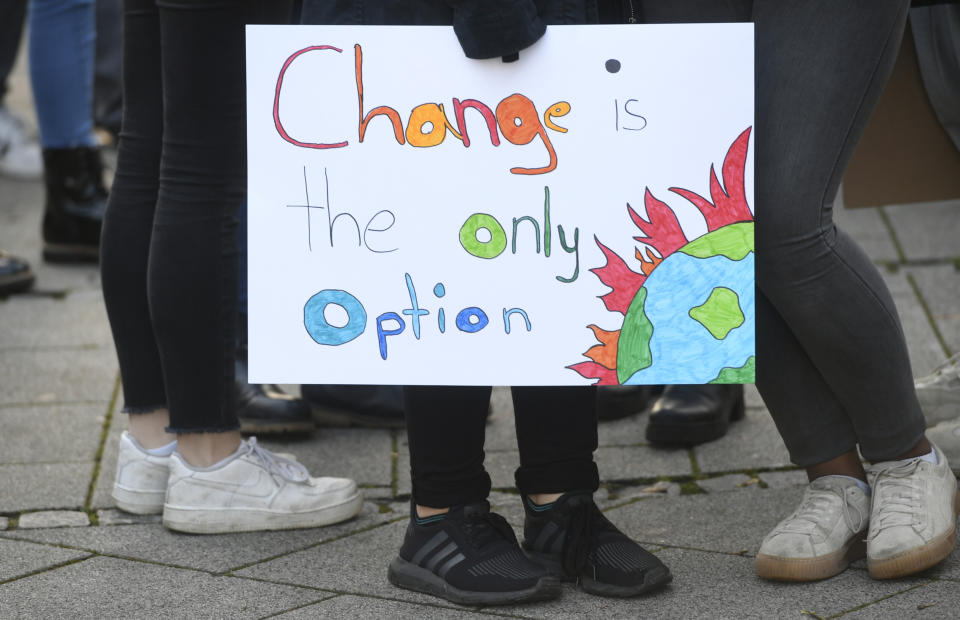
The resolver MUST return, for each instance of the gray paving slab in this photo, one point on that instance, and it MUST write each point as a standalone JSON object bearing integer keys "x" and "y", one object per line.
{"x": 925, "y": 350}
{"x": 927, "y": 231}
{"x": 940, "y": 288}
{"x": 323, "y": 566}
{"x": 76, "y": 320}
{"x": 784, "y": 479}
{"x": 57, "y": 376}
{"x": 729, "y": 482}
{"x": 642, "y": 462}
{"x": 729, "y": 522}
{"x": 18, "y": 558}
{"x": 346, "y": 606}
{"x": 752, "y": 443}
{"x": 929, "y": 602}
{"x": 752, "y": 397}
{"x": 114, "y": 516}
{"x": 628, "y": 431}
{"x": 4, "y": 522}
{"x": 711, "y": 585}
{"x": 867, "y": 228}
{"x": 112, "y": 588}
{"x": 108, "y": 459}
{"x": 52, "y": 518}
{"x": 359, "y": 453}
{"x": 45, "y": 433}
{"x": 216, "y": 553}
{"x": 40, "y": 486}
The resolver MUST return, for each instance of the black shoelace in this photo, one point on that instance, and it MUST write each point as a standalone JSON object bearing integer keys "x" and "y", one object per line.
{"x": 585, "y": 522}
{"x": 488, "y": 527}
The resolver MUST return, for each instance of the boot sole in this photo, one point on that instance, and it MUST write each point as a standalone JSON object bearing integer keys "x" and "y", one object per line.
{"x": 809, "y": 569}
{"x": 70, "y": 253}
{"x": 686, "y": 433}
{"x": 409, "y": 576}
{"x": 248, "y": 427}
{"x": 227, "y": 520}
{"x": 921, "y": 558}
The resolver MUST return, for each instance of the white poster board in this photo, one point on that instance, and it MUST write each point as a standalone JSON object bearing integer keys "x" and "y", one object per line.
{"x": 416, "y": 217}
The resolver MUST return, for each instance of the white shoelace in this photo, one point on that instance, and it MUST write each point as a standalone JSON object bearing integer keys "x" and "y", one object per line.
{"x": 283, "y": 467}
{"x": 809, "y": 514}
{"x": 896, "y": 494}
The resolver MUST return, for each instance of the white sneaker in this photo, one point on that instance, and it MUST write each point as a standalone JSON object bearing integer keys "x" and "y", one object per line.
{"x": 141, "y": 480}
{"x": 939, "y": 392}
{"x": 254, "y": 489}
{"x": 913, "y": 523}
{"x": 822, "y": 536}
{"x": 947, "y": 437}
{"x": 19, "y": 154}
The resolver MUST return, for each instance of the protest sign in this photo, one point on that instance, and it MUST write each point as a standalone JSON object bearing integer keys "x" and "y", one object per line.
{"x": 581, "y": 215}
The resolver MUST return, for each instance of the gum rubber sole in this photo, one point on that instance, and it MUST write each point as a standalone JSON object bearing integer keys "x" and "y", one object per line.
{"x": 778, "y": 568}
{"x": 409, "y": 576}
{"x": 227, "y": 520}
{"x": 919, "y": 559}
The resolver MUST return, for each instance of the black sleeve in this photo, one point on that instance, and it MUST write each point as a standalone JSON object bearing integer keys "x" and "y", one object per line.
{"x": 494, "y": 28}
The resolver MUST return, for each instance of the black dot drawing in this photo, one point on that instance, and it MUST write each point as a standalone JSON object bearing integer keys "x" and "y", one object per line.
{"x": 612, "y": 65}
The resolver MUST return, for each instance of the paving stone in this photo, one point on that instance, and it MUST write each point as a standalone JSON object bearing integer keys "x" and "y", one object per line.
{"x": 216, "y": 553}
{"x": 4, "y": 522}
{"x": 940, "y": 288}
{"x": 931, "y": 601}
{"x": 628, "y": 431}
{"x": 730, "y": 522}
{"x": 642, "y": 462}
{"x": 730, "y": 482}
{"x": 784, "y": 479}
{"x": 77, "y": 320}
{"x": 752, "y": 397}
{"x": 360, "y": 453}
{"x": 108, "y": 460}
{"x": 712, "y": 585}
{"x": 57, "y": 376}
{"x": 751, "y": 443}
{"x": 927, "y": 231}
{"x": 324, "y": 567}
{"x": 501, "y": 434}
{"x": 22, "y": 558}
{"x": 359, "y": 606}
{"x": 44, "y": 486}
{"x": 114, "y": 588}
{"x": 922, "y": 344}
{"x": 53, "y": 518}
{"x": 45, "y": 433}
{"x": 112, "y": 516}
{"x": 867, "y": 228}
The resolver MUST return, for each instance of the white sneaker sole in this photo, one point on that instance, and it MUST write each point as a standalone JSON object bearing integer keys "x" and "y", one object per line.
{"x": 227, "y": 520}
{"x": 137, "y": 501}
{"x": 779, "y": 568}
{"x": 919, "y": 559}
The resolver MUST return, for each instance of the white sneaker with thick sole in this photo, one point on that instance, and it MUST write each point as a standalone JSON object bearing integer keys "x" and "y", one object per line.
{"x": 822, "y": 536}
{"x": 939, "y": 392}
{"x": 141, "y": 480}
{"x": 19, "y": 154}
{"x": 913, "y": 521}
{"x": 254, "y": 489}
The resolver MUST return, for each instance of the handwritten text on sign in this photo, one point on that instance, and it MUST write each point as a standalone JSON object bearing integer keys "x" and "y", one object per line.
{"x": 416, "y": 217}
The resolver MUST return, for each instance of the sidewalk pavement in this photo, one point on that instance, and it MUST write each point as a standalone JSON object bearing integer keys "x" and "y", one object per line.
{"x": 66, "y": 551}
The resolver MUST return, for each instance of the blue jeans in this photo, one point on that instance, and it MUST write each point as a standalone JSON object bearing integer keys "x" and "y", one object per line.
{"x": 62, "y": 39}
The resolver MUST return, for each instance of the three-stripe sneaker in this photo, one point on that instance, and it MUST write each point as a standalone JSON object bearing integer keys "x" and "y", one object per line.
{"x": 574, "y": 540}
{"x": 469, "y": 556}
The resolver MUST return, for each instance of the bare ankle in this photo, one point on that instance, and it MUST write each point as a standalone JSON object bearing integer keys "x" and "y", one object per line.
{"x": 149, "y": 429}
{"x": 426, "y": 511}
{"x": 544, "y": 498}
{"x": 922, "y": 447}
{"x": 206, "y": 449}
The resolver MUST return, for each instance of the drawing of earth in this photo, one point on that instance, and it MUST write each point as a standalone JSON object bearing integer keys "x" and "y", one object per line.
{"x": 699, "y": 332}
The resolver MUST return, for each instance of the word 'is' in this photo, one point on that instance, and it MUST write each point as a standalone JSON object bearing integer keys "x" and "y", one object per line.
{"x": 516, "y": 117}
{"x": 469, "y": 320}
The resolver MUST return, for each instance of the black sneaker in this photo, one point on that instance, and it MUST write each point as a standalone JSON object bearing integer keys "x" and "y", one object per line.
{"x": 469, "y": 556}
{"x": 576, "y": 542}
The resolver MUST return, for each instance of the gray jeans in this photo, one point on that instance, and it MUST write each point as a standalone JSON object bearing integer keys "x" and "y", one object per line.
{"x": 832, "y": 362}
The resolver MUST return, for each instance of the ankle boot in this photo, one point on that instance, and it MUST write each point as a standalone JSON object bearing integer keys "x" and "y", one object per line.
{"x": 76, "y": 200}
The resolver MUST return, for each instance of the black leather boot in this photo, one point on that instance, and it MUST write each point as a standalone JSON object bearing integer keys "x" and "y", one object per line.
{"x": 76, "y": 200}
{"x": 266, "y": 409}
{"x": 688, "y": 415}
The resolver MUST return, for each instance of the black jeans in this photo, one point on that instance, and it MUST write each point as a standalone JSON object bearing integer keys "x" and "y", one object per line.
{"x": 168, "y": 251}
{"x": 832, "y": 361}
{"x": 556, "y": 433}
